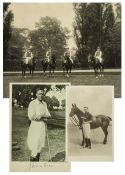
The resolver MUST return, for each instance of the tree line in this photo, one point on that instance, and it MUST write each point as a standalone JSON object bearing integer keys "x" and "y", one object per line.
{"x": 98, "y": 24}
{"x": 94, "y": 24}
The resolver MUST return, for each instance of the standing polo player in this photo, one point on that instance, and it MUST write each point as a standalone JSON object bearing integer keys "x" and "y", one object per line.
{"x": 38, "y": 114}
{"x": 87, "y": 119}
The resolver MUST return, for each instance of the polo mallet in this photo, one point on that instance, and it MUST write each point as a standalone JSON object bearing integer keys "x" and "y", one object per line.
{"x": 47, "y": 137}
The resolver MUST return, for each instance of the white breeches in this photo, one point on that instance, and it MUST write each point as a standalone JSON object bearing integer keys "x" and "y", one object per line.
{"x": 100, "y": 59}
{"x": 87, "y": 130}
{"x": 36, "y": 137}
{"x": 27, "y": 59}
{"x": 71, "y": 60}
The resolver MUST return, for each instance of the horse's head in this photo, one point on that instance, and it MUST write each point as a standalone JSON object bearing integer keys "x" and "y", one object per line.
{"x": 76, "y": 115}
{"x": 73, "y": 110}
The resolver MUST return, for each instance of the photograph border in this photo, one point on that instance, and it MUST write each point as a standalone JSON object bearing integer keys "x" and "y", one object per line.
{"x": 26, "y": 166}
{"x": 92, "y": 158}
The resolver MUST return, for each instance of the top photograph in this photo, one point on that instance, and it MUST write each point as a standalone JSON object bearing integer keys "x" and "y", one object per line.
{"x": 78, "y": 43}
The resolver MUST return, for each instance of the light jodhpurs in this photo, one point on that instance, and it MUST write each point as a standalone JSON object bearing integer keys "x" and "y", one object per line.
{"x": 36, "y": 137}
{"x": 87, "y": 130}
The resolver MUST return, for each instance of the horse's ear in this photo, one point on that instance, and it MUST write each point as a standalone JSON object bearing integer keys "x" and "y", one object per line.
{"x": 75, "y": 105}
{"x": 72, "y": 105}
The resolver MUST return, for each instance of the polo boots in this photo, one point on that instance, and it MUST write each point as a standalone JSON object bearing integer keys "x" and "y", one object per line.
{"x": 89, "y": 143}
{"x": 38, "y": 156}
{"x": 86, "y": 142}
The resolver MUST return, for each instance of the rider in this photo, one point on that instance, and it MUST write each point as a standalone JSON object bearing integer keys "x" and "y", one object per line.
{"x": 49, "y": 54}
{"x": 98, "y": 54}
{"x": 28, "y": 55}
{"x": 87, "y": 119}
{"x": 67, "y": 55}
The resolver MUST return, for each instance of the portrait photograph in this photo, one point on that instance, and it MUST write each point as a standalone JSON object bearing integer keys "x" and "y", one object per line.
{"x": 38, "y": 127}
{"x": 90, "y": 111}
{"x": 78, "y": 43}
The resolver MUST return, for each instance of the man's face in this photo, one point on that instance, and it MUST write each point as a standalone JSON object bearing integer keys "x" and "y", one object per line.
{"x": 39, "y": 95}
{"x": 85, "y": 109}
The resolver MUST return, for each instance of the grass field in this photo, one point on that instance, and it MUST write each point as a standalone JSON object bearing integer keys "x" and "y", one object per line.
{"x": 20, "y": 125}
{"x": 75, "y": 79}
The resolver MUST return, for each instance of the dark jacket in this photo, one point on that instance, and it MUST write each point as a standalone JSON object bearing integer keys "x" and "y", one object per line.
{"x": 87, "y": 117}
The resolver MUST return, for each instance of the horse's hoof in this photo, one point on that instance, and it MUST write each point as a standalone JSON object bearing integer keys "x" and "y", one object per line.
{"x": 104, "y": 142}
{"x": 96, "y": 77}
{"x": 24, "y": 76}
{"x": 102, "y": 75}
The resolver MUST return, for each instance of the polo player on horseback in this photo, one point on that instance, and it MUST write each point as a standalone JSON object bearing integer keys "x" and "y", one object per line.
{"x": 67, "y": 55}
{"x": 98, "y": 55}
{"x": 49, "y": 54}
{"x": 28, "y": 55}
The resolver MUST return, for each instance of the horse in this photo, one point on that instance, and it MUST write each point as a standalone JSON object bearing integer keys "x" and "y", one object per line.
{"x": 45, "y": 63}
{"x": 52, "y": 65}
{"x": 67, "y": 65}
{"x": 102, "y": 121}
{"x": 49, "y": 63}
{"x": 97, "y": 65}
{"x": 30, "y": 65}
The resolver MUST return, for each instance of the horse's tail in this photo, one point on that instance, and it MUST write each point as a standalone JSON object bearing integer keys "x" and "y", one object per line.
{"x": 109, "y": 118}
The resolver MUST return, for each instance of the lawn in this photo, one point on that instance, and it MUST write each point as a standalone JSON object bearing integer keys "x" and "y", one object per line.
{"x": 20, "y": 125}
{"x": 75, "y": 79}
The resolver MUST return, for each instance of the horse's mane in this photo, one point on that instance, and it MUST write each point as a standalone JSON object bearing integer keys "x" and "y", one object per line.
{"x": 79, "y": 111}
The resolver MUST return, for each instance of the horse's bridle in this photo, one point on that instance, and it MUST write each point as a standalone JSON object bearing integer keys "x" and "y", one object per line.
{"x": 74, "y": 121}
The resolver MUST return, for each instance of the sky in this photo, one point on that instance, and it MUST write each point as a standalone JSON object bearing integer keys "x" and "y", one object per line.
{"x": 27, "y": 14}
{"x": 99, "y": 99}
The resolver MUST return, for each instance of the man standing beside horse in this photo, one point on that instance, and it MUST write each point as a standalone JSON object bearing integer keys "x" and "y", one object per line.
{"x": 87, "y": 119}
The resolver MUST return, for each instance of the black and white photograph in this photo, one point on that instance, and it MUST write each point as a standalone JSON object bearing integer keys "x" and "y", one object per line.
{"x": 38, "y": 127}
{"x": 78, "y": 43}
{"x": 90, "y": 111}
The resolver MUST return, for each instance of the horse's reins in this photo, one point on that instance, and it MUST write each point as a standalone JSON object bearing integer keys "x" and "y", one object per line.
{"x": 74, "y": 121}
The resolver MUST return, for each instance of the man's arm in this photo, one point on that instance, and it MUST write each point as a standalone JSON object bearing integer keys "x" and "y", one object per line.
{"x": 25, "y": 55}
{"x": 95, "y": 54}
{"x": 100, "y": 54}
{"x": 47, "y": 54}
{"x": 31, "y": 111}
{"x": 90, "y": 119}
{"x": 31, "y": 55}
{"x": 47, "y": 114}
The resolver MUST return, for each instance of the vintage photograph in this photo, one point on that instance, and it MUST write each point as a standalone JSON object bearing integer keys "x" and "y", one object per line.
{"x": 38, "y": 127}
{"x": 90, "y": 123}
{"x": 41, "y": 43}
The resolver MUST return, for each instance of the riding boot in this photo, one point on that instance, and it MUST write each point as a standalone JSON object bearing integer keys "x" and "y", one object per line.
{"x": 89, "y": 143}
{"x": 86, "y": 142}
{"x": 38, "y": 156}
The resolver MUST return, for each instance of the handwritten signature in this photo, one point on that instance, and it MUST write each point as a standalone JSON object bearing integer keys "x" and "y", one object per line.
{"x": 34, "y": 165}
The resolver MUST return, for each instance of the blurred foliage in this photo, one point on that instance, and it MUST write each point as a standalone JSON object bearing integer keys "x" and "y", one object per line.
{"x": 7, "y": 28}
{"x": 49, "y": 33}
{"x": 23, "y": 94}
{"x": 98, "y": 24}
